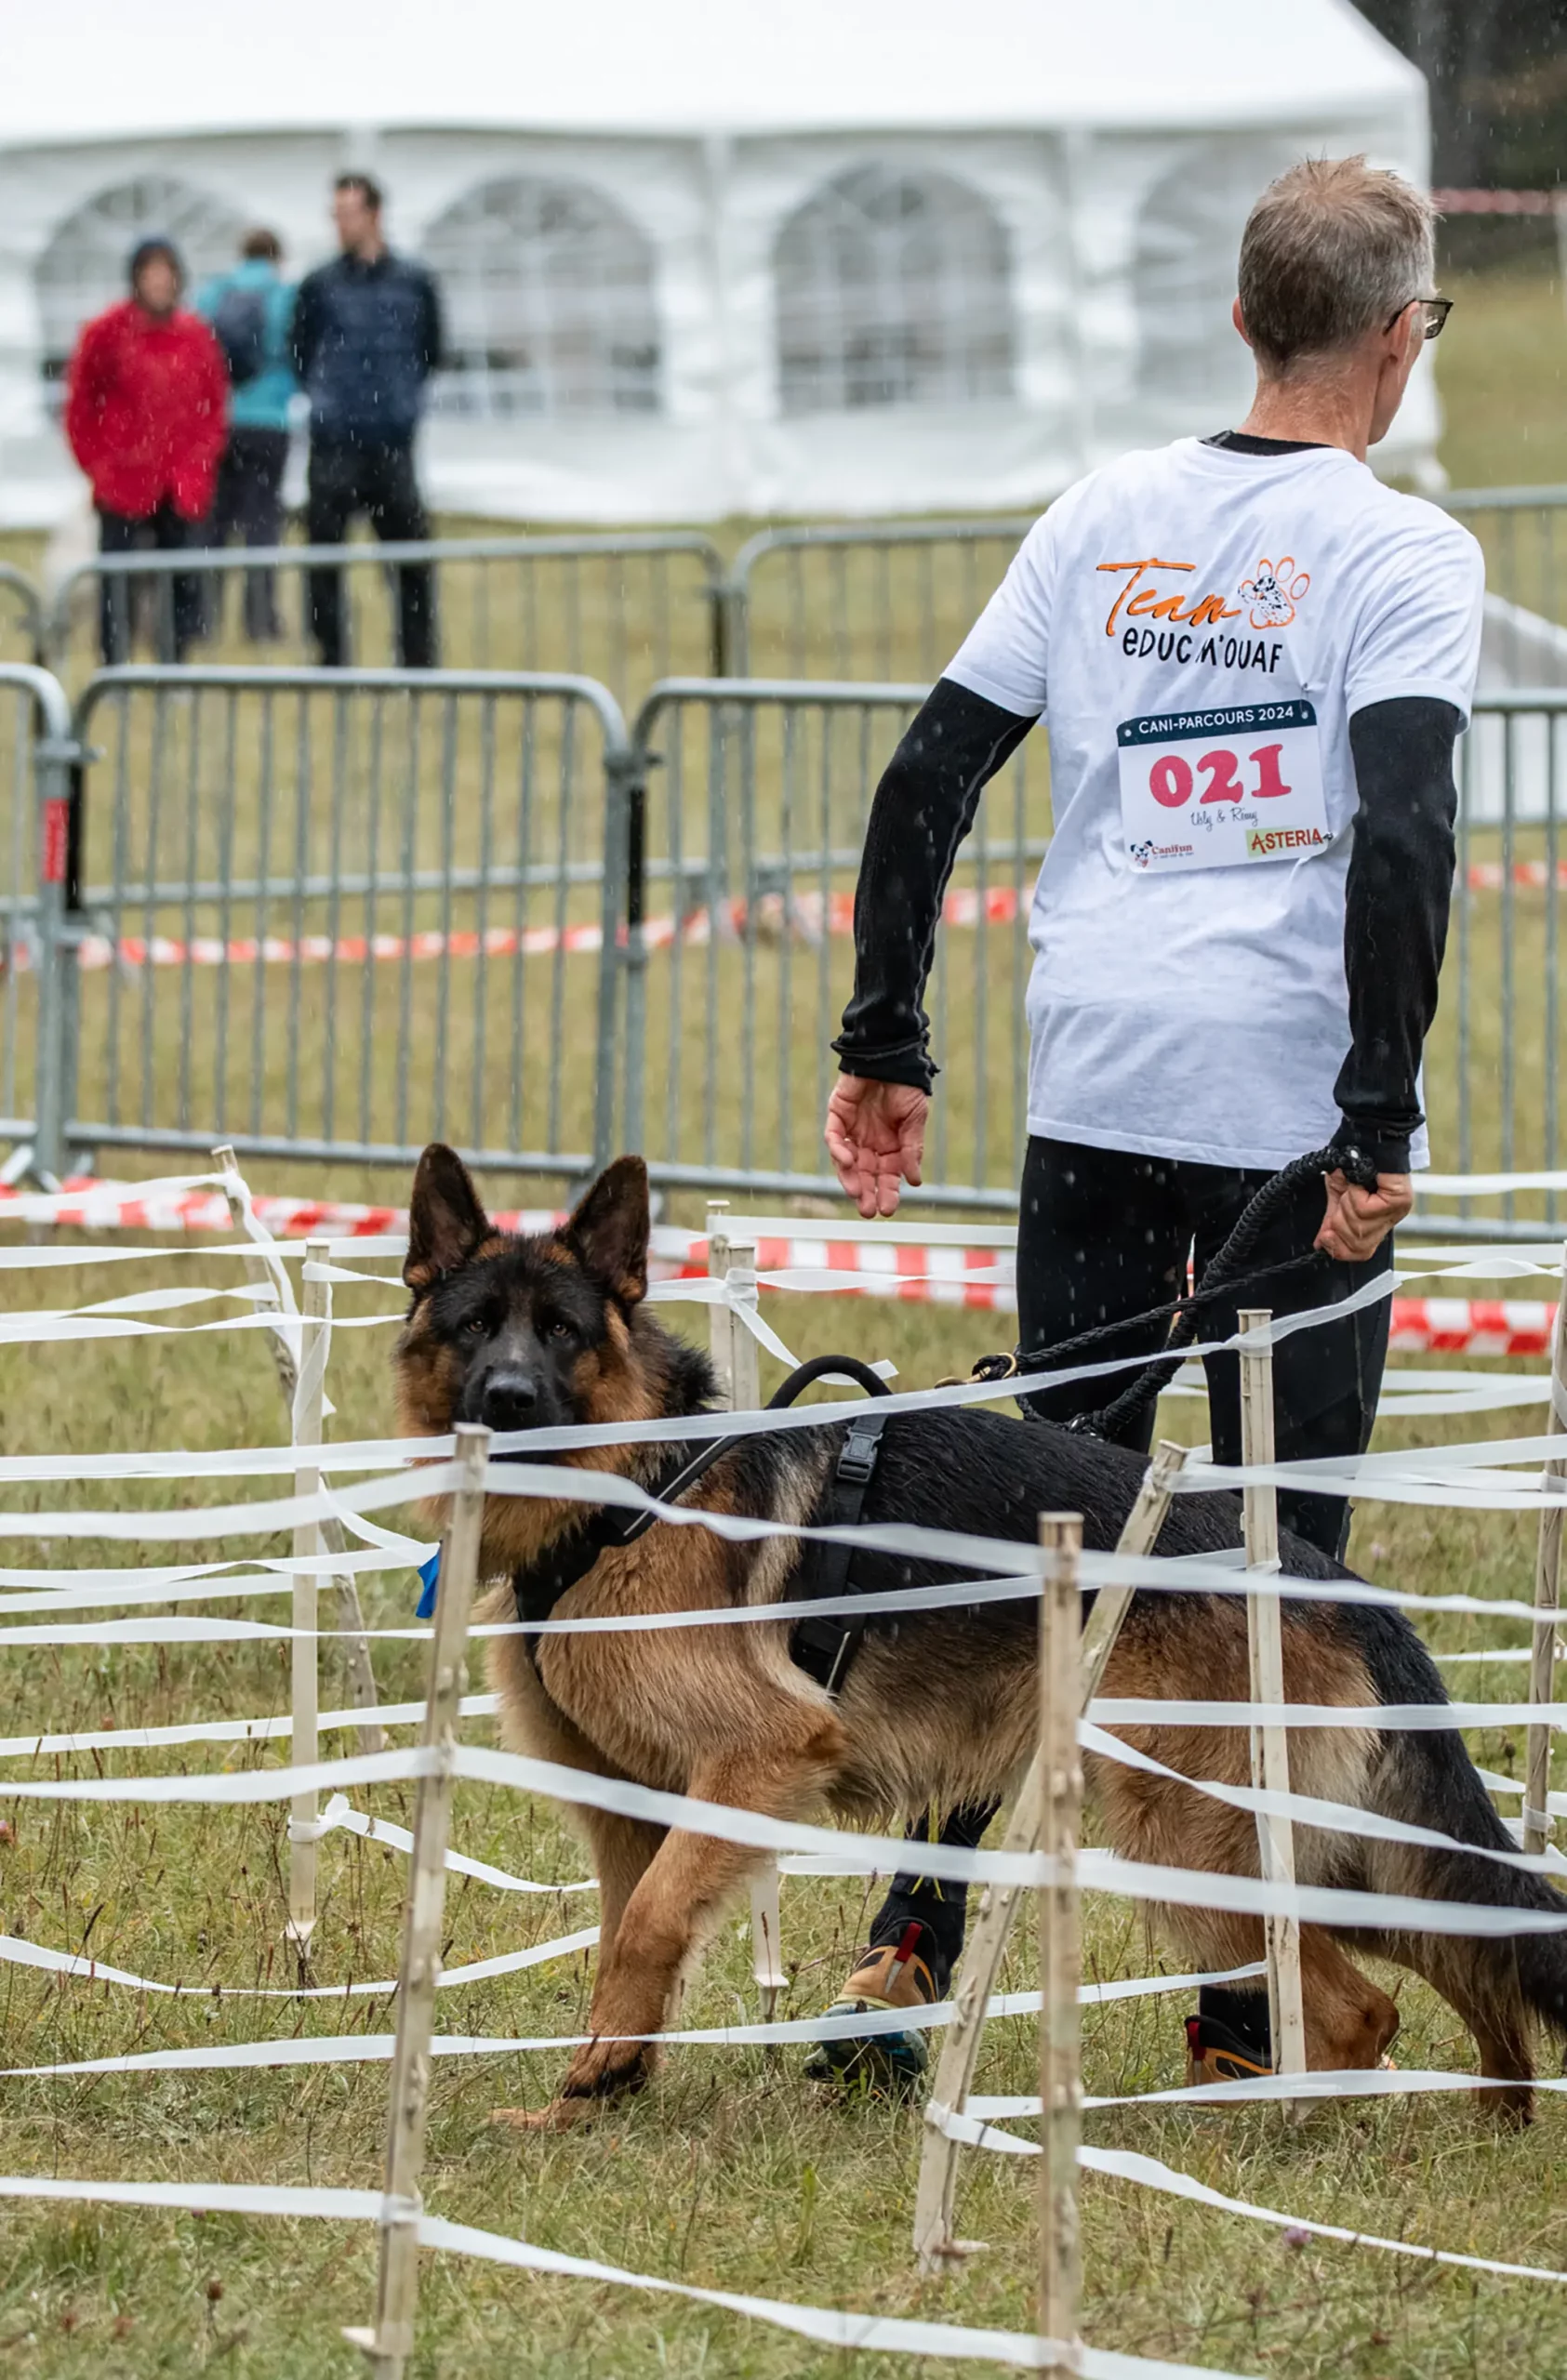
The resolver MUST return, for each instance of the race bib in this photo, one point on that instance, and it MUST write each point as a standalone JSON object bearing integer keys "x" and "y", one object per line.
{"x": 1222, "y": 788}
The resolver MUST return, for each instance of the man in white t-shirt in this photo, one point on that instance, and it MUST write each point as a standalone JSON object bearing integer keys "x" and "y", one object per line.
{"x": 1253, "y": 660}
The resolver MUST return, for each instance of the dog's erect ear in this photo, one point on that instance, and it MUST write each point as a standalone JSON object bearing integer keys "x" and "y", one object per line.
{"x": 445, "y": 1220}
{"x": 608, "y": 1232}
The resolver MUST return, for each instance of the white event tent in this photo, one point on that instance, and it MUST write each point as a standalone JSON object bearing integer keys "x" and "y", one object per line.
{"x": 712, "y": 255}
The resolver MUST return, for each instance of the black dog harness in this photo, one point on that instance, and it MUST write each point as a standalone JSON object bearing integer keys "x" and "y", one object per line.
{"x": 822, "y": 1645}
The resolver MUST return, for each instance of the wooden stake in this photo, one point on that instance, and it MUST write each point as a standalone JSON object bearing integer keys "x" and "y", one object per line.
{"x": 745, "y": 1395}
{"x": 745, "y": 1355}
{"x": 304, "y": 1671}
{"x": 1537, "y": 1823}
{"x": 719, "y": 1335}
{"x": 766, "y": 1964}
{"x": 935, "y": 2243}
{"x": 390, "y": 2341}
{"x": 1270, "y": 1748}
{"x": 362, "y": 1690}
{"x": 1060, "y": 1951}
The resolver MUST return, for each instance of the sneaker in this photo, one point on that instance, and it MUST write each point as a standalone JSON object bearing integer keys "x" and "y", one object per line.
{"x": 1215, "y": 2053}
{"x": 1218, "y": 2050}
{"x": 890, "y": 1976}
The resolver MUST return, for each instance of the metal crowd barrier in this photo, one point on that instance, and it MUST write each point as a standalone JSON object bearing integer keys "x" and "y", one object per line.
{"x": 749, "y": 810}
{"x": 1525, "y": 541}
{"x": 748, "y": 813}
{"x": 871, "y": 601}
{"x": 1492, "y": 1064}
{"x": 36, "y": 749}
{"x": 874, "y": 601}
{"x": 330, "y": 913}
{"x": 22, "y": 616}
{"x": 1523, "y": 534}
{"x": 623, "y": 607}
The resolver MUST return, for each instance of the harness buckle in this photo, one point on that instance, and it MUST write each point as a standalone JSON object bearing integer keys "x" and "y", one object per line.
{"x": 857, "y": 1462}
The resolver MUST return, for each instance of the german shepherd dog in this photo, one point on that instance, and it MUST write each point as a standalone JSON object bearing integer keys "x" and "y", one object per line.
{"x": 938, "y": 1708}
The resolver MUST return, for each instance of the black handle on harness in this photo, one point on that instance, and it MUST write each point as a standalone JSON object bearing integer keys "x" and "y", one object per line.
{"x": 804, "y": 1375}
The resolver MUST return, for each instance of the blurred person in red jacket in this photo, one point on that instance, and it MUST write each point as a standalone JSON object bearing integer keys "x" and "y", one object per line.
{"x": 146, "y": 418}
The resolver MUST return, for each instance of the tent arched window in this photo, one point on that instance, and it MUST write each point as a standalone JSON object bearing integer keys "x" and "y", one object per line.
{"x": 549, "y": 305}
{"x": 82, "y": 269}
{"x": 1182, "y": 273}
{"x": 893, "y": 288}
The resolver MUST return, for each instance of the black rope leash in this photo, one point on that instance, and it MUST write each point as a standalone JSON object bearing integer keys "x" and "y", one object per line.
{"x": 1226, "y": 1276}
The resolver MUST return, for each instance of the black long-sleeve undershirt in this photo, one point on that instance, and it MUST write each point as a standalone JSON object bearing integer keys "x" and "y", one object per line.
{"x": 1396, "y": 909}
{"x": 1397, "y": 901}
{"x": 925, "y": 806}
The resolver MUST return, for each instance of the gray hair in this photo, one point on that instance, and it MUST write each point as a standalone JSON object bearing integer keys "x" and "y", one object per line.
{"x": 1331, "y": 248}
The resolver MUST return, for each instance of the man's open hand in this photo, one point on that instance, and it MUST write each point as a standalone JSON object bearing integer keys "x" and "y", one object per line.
{"x": 1359, "y": 1220}
{"x": 876, "y": 1135}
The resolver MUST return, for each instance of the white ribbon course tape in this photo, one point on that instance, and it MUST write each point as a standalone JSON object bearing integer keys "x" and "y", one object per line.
{"x": 1151, "y": 2172}
{"x": 1304, "y": 1809}
{"x": 827, "y": 2327}
{"x": 78, "y": 1967}
{"x": 360, "y": 2048}
{"x": 245, "y": 1731}
{"x": 1348, "y": 2082}
{"x": 515, "y": 1478}
{"x": 855, "y": 1854}
{"x": 340, "y": 1812}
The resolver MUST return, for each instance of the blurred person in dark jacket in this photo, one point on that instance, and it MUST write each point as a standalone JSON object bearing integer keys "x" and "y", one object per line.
{"x": 367, "y": 338}
{"x": 146, "y": 418}
{"x": 251, "y": 309}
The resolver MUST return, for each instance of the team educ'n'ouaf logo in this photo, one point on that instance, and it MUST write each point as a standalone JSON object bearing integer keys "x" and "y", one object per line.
{"x": 1274, "y": 593}
{"x": 1146, "y": 613}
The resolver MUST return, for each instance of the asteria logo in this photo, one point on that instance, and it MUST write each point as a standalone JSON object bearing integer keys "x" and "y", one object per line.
{"x": 1274, "y": 593}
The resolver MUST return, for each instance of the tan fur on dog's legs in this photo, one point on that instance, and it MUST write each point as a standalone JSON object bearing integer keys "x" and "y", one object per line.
{"x": 623, "y": 1850}
{"x": 1489, "y": 2000}
{"x": 671, "y": 1911}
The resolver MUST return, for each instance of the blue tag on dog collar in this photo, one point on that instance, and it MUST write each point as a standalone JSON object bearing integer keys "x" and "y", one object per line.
{"x": 429, "y": 1573}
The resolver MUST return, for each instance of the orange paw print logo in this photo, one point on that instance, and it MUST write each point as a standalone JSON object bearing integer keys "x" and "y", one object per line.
{"x": 1274, "y": 593}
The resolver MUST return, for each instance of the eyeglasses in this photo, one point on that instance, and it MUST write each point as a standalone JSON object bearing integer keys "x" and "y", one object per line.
{"x": 1436, "y": 312}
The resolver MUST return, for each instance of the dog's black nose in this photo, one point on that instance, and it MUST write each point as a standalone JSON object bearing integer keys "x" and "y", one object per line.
{"x": 508, "y": 1400}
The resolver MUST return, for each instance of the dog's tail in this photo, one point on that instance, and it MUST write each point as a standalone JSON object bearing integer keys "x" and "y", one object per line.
{"x": 1498, "y": 1983}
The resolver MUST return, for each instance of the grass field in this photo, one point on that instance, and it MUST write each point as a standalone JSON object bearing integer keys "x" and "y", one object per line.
{"x": 729, "y": 2173}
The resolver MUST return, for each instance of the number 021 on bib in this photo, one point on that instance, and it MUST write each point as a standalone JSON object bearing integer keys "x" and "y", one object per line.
{"x": 1222, "y": 788}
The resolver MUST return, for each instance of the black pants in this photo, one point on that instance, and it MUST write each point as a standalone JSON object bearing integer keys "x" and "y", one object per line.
{"x": 377, "y": 481}
{"x": 249, "y": 506}
{"x": 176, "y": 604}
{"x": 1102, "y": 1234}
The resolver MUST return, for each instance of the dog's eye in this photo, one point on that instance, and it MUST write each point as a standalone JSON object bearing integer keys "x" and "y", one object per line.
{"x": 476, "y": 1327}
{"x": 560, "y": 1329}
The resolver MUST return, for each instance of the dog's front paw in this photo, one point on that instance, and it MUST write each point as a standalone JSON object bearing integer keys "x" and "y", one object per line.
{"x": 561, "y": 2115}
{"x": 603, "y": 2071}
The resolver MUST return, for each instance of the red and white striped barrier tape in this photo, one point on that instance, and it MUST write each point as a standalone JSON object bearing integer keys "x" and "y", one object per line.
{"x": 981, "y": 1279}
{"x": 805, "y": 917}
{"x": 1472, "y": 1327}
{"x": 128, "y": 1206}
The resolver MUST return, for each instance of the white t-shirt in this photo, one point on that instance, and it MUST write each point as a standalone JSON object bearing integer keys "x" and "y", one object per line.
{"x": 1199, "y": 625}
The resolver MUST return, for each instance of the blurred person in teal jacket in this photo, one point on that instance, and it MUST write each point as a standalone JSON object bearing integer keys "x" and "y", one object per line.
{"x": 251, "y": 309}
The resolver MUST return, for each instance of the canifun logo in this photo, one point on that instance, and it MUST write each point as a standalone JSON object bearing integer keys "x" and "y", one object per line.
{"x": 1270, "y": 843}
{"x": 1274, "y": 593}
{"x": 1144, "y": 855}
